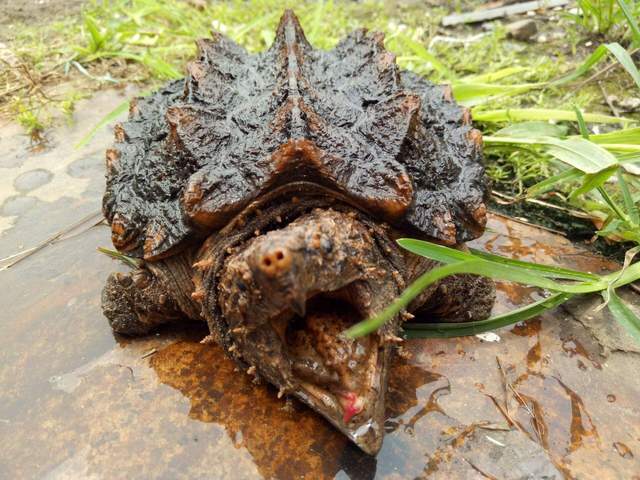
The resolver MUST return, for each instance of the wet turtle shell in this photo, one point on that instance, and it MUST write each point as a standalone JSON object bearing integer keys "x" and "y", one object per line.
{"x": 239, "y": 125}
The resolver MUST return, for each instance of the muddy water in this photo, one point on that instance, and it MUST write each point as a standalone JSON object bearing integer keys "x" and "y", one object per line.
{"x": 77, "y": 402}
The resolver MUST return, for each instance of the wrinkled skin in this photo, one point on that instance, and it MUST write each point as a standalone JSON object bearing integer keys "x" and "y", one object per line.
{"x": 265, "y": 195}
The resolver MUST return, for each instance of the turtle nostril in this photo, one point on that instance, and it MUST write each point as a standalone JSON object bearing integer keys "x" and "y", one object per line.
{"x": 275, "y": 261}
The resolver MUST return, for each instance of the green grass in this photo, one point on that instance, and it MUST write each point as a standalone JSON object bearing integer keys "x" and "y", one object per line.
{"x": 561, "y": 282}
{"x": 607, "y": 18}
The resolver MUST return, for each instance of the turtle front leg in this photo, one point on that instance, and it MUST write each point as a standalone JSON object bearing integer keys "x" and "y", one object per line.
{"x": 136, "y": 302}
{"x": 461, "y": 298}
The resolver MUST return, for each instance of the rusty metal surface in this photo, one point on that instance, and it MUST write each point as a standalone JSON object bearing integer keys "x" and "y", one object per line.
{"x": 555, "y": 397}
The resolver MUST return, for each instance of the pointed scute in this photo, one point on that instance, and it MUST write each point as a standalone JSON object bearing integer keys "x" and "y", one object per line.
{"x": 197, "y": 151}
{"x": 290, "y": 32}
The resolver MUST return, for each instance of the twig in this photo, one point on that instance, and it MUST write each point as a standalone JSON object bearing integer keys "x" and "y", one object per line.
{"x": 535, "y": 201}
{"x": 493, "y": 13}
{"x": 507, "y": 199}
{"x": 530, "y": 224}
{"x": 49, "y": 241}
{"x": 614, "y": 110}
{"x": 600, "y": 72}
{"x": 503, "y": 376}
{"x": 456, "y": 40}
{"x": 149, "y": 353}
{"x": 505, "y": 414}
{"x": 477, "y": 469}
{"x": 539, "y": 428}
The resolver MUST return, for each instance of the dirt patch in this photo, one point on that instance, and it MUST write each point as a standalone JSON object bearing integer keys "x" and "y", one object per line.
{"x": 33, "y": 12}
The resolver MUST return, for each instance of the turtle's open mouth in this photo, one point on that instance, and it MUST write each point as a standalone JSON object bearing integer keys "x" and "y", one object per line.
{"x": 334, "y": 370}
{"x": 287, "y": 296}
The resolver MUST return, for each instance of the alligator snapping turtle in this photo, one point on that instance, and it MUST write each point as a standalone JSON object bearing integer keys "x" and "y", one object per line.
{"x": 264, "y": 194}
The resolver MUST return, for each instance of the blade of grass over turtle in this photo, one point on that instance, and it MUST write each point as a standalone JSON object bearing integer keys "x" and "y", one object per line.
{"x": 450, "y": 255}
{"x": 491, "y": 265}
{"x": 448, "y": 330}
{"x": 434, "y": 251}
{"x": 485, "y": 268}
{"x": 545, "y": 270}
{"x": 624, "y": 315}
{"x": 372, "y": 324}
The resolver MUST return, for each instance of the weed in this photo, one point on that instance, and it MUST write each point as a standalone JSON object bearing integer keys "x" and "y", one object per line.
{"x": 612, "y": 19}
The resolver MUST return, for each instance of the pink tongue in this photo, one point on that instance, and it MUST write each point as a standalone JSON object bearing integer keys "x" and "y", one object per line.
{"x": 352, "y": 406}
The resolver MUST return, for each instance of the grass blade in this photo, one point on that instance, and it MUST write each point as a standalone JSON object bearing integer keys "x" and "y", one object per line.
{"x": 110, "y": 117}
{"x": 493, "y": 77}
{"x": 629, "y": 204}
{"x": 623, "y": 136}
{"x": 594, "y": 58}
{"x": 532, "y": 129}
{"x": 616, "y": 50}
{"x": 448, "y": 255}
{"x": 582, "y": 126}
{"x": 624, "y": 315}
{"x": 130, "y": 261}
{"x": 372, "y": 324}
{"x": 485, "y": 268}
{"x": 447, "y": 330}
{"x": 567, "y": 175}
{"x": 593, "y": 181}
{"x": 633, "y": 25}
{"x": 629, "y": 274}
{"x": 434, "y": 251}
{"x": 522, "y": 114}
{"x": 545, "y": 270}
{"x": 576, "y": 152}
{"x": 472, "y": 94}
{"x": 625, "y": 60}
{"x": 581, "y": 154}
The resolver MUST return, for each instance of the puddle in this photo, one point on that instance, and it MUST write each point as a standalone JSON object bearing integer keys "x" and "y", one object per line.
{"x": 78, "y": 402}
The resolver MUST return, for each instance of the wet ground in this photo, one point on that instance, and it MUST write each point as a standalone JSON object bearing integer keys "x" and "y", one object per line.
{"x": 555, "y": 397}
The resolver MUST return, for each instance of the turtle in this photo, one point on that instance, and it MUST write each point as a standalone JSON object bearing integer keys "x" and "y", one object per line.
{"x": 264, "y": 193}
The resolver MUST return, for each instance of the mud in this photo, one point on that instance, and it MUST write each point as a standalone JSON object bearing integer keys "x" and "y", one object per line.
{"x": 13, "y": 13}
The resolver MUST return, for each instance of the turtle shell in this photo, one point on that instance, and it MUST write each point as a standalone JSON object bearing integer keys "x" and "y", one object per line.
{"x": 239, "y": 125}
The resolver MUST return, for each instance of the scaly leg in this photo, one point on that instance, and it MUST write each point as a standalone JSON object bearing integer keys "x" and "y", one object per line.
{"x": 136, "y": 302}
{"x": 461, "y": 298}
